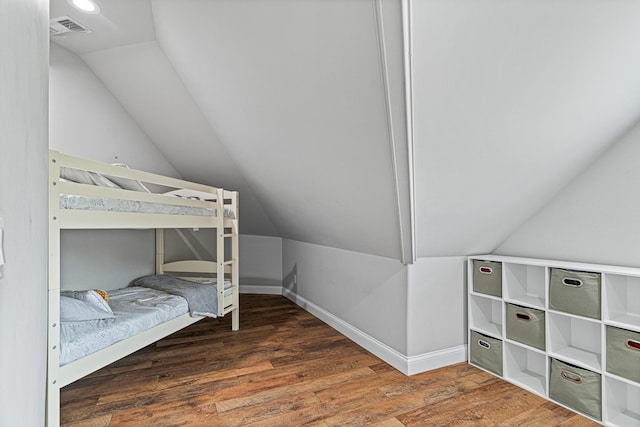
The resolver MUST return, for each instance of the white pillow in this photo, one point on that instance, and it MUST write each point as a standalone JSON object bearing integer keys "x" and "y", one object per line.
{"x": 75, "y": 310}
{"x": 86, "y": 177}
{"x": 128, "y": 183}
{"x": 184, "y": 193}
{"x": 89, "y": 297}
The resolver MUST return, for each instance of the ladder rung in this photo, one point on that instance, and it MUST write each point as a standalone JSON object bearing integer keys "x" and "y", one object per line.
{"x": 228, "y": 262}
{"x": 229, "y": 309}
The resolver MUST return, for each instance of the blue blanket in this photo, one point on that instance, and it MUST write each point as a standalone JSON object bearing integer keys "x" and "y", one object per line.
{"x": 201, "y": 298}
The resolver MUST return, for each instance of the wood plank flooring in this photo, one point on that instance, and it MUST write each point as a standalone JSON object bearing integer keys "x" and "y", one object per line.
{"x": 287, "y": 368}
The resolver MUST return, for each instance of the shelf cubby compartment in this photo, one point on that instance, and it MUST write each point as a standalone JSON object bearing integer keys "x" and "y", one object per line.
{"x": 622, "y": 296}
{"x": 526, "y": 368}
{"x": 575, "y": 340}
{"x": 525, "y": 284}
{"x": 486, "y": 315}
{"x": 623, "y": 403}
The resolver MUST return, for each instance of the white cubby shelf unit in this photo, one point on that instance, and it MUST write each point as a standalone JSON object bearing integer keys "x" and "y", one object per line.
{"x": 573, "y": 339}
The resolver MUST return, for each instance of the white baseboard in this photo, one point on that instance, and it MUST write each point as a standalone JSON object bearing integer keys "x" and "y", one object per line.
{"x": 407, "y": 365}
{"x": 436, "y": 359}
{"x": 261, "y": 289}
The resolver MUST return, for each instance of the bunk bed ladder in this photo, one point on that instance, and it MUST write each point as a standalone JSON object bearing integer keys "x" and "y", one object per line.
{"x": 225, "y": 268}
{"x": 227, "y": 265}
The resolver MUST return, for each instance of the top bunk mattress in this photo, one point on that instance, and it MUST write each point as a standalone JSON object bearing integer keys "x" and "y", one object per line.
{"x": 87, "y": 185}
{"x": 90, "y": 203}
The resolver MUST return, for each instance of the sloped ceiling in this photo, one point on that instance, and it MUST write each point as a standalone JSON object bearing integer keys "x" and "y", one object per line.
{"x": 286, "y": 100}
{"x": 512, "y": 100}
{"x": 142, "y": 79}
{"x": 594, "y": 219}
{"x": 294, "y": 89}
{"x": 282, "y": 100}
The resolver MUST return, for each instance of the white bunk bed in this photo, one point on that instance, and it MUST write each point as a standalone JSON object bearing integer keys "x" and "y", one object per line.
{"x": 74, "y": 205}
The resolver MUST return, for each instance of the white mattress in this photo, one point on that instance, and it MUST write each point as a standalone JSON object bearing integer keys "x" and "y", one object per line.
{"x": 71, "y": 201}
{"x": 137, "y": 309}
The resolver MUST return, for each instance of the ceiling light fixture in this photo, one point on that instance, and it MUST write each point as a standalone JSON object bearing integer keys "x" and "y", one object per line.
{"x": 86, "y": 6}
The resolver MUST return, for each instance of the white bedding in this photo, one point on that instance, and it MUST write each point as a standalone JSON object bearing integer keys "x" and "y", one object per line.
{"x": 70, "y": 201}
{"x": 136, "y": 309}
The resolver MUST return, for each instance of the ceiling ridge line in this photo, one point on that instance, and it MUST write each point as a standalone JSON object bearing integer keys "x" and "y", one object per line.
{"x": 391, "y": 138}
{"x": 407, "y": 50}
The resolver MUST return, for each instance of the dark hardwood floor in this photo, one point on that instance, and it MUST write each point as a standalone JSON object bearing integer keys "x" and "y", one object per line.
{"x": 286, "y": 368}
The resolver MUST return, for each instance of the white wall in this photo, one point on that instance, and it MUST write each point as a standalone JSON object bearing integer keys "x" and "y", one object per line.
{"x": 295, "y": 92}
{"x": 260, "y": 256}
{"x": 413, "y": 317}
{"x": 594, "y": 219}
{"x": 105, "y": 259}
{"x": 143, "y": 80}
{"x": 513, "y": 99}
{"x": 87, "y": 121}
{"x": 24, "y": 49}
{"x": 260, "y": 261}
{"x": 110, "y": 259}
{"x": 364, "y": 291}
{"x": 436, "y": 313}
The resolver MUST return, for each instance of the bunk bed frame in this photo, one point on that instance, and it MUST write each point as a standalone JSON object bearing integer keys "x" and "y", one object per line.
{"x": 224, "y": 268}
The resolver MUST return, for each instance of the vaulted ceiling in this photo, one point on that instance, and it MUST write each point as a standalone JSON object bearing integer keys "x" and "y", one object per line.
{"x": 513, "y": 99}
{"x": 282, "y": 100}
{"x": 299, "y": 105}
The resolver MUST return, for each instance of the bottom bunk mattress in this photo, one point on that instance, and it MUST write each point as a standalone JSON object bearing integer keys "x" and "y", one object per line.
{"x": 136, "y": 309}
{"x": 150, "y": 301}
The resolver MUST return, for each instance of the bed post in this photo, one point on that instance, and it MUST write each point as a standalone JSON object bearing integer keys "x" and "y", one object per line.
{"x": 235, "y": 268}
{"x": 53, "y": 291}
{"x": 224, "y": 265}
{"x": 159, "y": 250}
{"x": 220, "y": 252}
